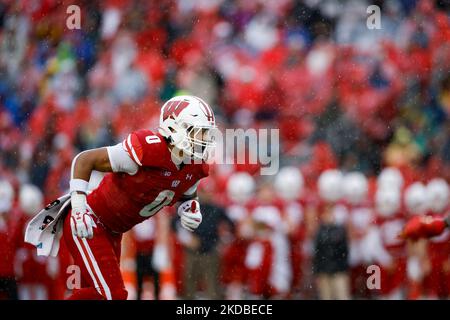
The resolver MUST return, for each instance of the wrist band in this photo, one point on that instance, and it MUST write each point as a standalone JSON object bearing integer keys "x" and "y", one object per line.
{"x": 78, "y": 185}
{"x": 78, "y": 200}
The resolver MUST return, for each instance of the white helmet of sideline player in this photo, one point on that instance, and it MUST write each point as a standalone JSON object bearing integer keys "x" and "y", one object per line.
{"x": 329, "y": 185}
{"x": 6, "y": 196}
{"x": 416, "y": 198}
{"x": 387, "y": 201}
{"x": 240, "y": 187}
{"x": 390, "y": 177}
{"x": 30, "y": 199}
{"x": 288, "y": 183}
{"x": 355, "y": 187}
{"x": 437, "y": 194}
{"x": 188, "y": 123}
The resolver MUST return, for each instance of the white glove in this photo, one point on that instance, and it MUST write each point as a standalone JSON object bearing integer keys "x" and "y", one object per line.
{"x": 189, "y": 211}
{"x": 81, "y": 221}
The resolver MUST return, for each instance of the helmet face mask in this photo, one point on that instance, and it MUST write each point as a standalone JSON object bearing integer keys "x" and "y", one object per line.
{"x": 202, "y": 142}
{"x": 189, "y": 125}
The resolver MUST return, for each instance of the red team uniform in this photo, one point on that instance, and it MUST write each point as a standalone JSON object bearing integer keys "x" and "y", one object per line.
{"x": 120, "y": 202}
{"x": 268, "y": 256}
{"x": 393, "y": 277}
{"x": 233, "y": 260}
{"x": 39, "y": 278}
{"x": 295, "y": 211}
{"x": 436, "y": 283}
{"x": 360, "y": 219}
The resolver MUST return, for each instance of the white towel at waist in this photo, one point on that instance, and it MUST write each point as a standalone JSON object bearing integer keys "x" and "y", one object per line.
{"x": 45, "y": 230}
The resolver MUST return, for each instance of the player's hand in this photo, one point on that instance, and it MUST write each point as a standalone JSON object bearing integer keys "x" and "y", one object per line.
{"x": 81, "y": 220}
{"x": 189, "y": 211}
{"x": 423, "y": 227}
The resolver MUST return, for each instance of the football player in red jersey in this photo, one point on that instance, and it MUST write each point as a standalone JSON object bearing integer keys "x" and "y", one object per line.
{"x": 434, "y": 226}
{"x": 39, "y": 278}
{"x": 240, "y": 191}
{"x": 288, "y": 186}
{"x": 417, "y": 265}
{"x": 430, "y": 225}
{"x": 361, "y": 219}
{"x": 390, "y": 220}
{"x": 146, "y": 172}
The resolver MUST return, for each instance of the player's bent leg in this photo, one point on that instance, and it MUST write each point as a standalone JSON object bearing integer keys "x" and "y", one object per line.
{"x": 98, "y": 262}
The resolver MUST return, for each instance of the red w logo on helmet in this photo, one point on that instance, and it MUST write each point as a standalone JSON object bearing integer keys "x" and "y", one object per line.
{"x": 207, "y": 111}
{"x": 174, "y": 108}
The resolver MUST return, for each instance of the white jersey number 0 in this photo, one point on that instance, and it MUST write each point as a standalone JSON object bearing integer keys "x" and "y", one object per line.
{"x": 162, "y": 199}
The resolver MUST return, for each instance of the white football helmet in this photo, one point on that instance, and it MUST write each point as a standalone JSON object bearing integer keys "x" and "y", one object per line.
{"x": 267, "y": 215}
{"x": 416, "y": 198}
{"x": 437, "y": 194}
{"x": 188, "y": 123}
{"x": 390, "y": 178}
{"x": 240, "y": 187}
{"x": 387, "y": 201}
{"x": 6, "y": 196}
{"x": 289, "y": 183}
{"x": 355, "y": 187}
{"x": 330, "y": 185}
{"x": 31, "y": 199}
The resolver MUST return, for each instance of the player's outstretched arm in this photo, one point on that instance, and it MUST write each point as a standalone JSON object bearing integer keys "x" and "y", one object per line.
{"x": 82, "y": 166}
{"x": 108, "y": 159}
{"x": 87, "y": 161}
{"x": 424, "y": 227}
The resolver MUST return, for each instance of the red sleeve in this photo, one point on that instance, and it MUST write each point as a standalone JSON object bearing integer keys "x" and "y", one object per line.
{"x": 144, "y": 147}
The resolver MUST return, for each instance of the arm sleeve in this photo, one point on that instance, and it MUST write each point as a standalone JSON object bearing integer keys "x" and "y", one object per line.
{"x": 120, "y": 160}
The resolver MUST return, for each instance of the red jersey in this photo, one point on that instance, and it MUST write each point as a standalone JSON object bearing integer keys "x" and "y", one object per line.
{"x": 122, "y": 200}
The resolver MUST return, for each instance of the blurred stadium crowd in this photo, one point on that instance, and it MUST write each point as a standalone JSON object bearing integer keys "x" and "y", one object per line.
{"x": 364, "y": 133}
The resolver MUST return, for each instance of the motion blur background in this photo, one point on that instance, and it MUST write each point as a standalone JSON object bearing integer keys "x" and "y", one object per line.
{"x": 348, "y": 101}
